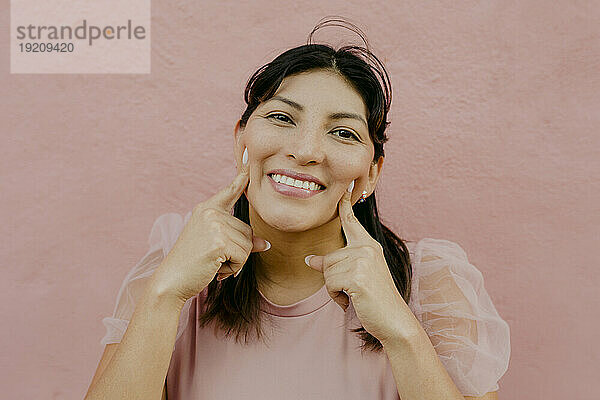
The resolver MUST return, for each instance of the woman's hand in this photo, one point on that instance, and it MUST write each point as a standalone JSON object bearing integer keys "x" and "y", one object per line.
{"x": 360, "y": 271}
{"x": 212, "y": 241}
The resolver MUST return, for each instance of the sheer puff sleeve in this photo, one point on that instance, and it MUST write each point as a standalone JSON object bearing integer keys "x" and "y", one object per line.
{"x": 164, "y": 234}
{"x": 450, "y": 301}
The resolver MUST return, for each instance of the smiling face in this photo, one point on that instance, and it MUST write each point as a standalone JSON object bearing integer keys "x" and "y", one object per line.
{"x": 295, "y": 131}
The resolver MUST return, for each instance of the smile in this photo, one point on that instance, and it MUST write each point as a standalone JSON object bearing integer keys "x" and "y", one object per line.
{"x": 292, "y": 187}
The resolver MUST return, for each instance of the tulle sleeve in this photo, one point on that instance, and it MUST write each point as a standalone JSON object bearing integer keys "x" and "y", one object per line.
{"x": 450, "y": 301}
{"x": 164, "y": 234}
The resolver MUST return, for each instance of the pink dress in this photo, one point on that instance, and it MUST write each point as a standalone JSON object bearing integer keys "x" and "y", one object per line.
{"x": 310, "y": 350}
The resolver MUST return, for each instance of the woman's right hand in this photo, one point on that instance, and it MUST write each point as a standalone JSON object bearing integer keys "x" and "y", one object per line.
{"x": 213, "y": 241}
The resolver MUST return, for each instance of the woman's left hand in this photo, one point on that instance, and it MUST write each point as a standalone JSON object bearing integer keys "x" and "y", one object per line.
{"x": 360, "y": 271}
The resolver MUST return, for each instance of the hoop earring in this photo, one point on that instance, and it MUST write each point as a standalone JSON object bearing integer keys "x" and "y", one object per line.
{"x": 363, "y": 197}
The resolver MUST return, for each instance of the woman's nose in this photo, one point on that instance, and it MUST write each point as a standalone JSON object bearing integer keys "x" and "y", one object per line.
{"x": 307, "y": 147}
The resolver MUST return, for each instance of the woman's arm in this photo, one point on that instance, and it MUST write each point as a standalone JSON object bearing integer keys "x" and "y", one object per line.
{"x": 420, "y": 374}
{"x": 417, "y": 369}
{"x": 109, "y": 351}
{"x": 455, "y": 316}
{"x": 139, "y": 366}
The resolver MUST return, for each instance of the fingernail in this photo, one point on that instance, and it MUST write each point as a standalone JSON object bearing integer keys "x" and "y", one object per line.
{"x": 307, "y": 259}
{"x": 351, "y": 187}
{"x": 268, "y": 245}
{"x": 245, "y": 156}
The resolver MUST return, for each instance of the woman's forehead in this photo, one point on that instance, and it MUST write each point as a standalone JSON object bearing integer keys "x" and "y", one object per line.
{"x": 325, "y": 90}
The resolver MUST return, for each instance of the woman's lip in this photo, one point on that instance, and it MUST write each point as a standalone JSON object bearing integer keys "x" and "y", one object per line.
{"x": 292, "y": 191}
{"x": 297, "y": 175}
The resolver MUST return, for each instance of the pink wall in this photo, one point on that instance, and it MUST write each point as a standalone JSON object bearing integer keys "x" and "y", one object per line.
{"x": 494, "y": 145}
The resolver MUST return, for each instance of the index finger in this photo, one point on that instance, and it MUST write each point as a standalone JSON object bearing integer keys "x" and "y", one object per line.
{"x": 225, "y": 199}
{"x": 353, "y": 229}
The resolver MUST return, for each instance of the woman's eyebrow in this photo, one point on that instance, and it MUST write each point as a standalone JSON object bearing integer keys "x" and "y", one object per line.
{"x": 337, "y": 115}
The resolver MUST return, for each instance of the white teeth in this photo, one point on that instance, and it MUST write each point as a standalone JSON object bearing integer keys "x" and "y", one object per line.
{"x": 286, "y": 180}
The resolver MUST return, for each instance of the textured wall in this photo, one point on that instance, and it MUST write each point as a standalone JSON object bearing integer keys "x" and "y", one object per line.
{"x": 494, "y": 144}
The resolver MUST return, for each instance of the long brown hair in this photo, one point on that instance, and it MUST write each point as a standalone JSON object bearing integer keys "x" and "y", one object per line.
{"x": 234, "y": 303}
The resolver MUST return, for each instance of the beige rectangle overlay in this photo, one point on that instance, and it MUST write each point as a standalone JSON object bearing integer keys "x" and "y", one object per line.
{"x": 113, "y": 36}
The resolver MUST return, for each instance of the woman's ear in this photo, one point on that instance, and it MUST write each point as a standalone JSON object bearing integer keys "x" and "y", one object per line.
{"x": 237, "y": 131}
{"x": 237, "y": 134}
{"x": 374, "y": 174}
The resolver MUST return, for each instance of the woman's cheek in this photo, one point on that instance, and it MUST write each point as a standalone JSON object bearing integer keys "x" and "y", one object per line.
{"x": 349, "y": 166}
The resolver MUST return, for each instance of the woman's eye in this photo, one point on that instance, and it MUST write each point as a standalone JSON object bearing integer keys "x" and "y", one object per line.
{"x": 351, "y": 136}
{"x": 278, "y": 115}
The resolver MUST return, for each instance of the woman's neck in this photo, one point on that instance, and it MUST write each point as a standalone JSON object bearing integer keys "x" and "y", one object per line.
{"x": 281, "y": 272}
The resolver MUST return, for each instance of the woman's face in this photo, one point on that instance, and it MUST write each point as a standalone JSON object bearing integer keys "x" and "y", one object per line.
{"x": 306, "y": 140}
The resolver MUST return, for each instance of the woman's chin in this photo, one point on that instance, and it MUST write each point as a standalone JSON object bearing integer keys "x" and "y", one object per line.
{"x": 288, "y": 217}
{"x": 286, "y": 221}
{"x": 288, "y": 224}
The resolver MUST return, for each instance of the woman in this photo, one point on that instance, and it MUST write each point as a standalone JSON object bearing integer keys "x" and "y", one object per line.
{"x": 328, "y": 301}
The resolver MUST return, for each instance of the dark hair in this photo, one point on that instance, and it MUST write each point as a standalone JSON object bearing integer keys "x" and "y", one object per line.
{"x": 235, "y": 302}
